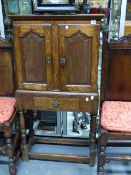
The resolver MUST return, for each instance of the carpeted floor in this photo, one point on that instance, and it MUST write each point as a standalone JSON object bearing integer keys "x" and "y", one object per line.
{"x": 36, "y": 167}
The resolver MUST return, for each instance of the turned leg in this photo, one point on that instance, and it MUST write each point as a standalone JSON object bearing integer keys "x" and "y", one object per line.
{"x": 101, "y": 152}
{"x": 92, "y": 141}
{"x": 23, "y": 136}
{"x": 9, "y": 150}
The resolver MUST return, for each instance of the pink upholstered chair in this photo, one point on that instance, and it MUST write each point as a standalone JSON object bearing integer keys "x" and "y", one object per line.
{"x": 7, "y": 121}
{"x": 115, "y": 122}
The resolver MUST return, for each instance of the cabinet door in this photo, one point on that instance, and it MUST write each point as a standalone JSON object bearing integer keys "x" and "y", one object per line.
{"x": 33, "y": 56}
{"x": 78, "y": 57}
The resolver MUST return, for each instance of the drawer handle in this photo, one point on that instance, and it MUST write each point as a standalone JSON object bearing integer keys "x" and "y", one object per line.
{"x": 55, "y": 104}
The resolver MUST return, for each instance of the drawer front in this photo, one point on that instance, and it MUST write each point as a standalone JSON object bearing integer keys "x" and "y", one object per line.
{"x": 58, "y": 103}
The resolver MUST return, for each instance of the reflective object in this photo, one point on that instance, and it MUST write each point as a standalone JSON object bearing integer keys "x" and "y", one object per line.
{"x": 55, "y": 1}
{"x": 114, "y": 28}
{"x": 128, "y": 10}
{"x": 104, "y": 24}
{"x": 55, "y": 7}
{"x": 114, "y": 21}
{"x": 11, "y": 6}
{"x": 25, "y": 6}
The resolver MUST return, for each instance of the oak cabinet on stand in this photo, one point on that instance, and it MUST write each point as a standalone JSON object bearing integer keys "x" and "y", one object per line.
{"x": 56, "y": 67}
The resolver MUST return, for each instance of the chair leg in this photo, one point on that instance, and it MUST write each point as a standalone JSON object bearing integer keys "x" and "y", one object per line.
{"x": 10, "y": 150}
{"x": 23, "y": 136}
{"x": 101, "y": 152}
{"x": 92, "y": 141}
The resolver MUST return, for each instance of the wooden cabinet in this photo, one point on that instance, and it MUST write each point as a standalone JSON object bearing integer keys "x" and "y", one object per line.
{"x": 56, "y": 67}
{"x": 56, "y": 55}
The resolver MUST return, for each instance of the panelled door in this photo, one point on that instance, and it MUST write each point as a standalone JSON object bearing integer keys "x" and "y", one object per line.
{"x": 78, "y": 57}
{"x": 33, "y": 56}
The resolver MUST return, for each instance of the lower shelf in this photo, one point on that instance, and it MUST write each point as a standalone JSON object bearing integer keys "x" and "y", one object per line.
{"x": 58, "y": 157}
{"x": 59, "y": 149}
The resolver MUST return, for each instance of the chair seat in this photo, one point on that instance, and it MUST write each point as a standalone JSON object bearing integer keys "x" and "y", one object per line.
{"x": 116, "y": 116}
{"x": 7, "y": 106}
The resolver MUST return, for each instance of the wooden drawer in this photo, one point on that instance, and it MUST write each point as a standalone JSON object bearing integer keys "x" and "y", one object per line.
{"x": 62, "y": 103}
{"x": 57, "y": 101}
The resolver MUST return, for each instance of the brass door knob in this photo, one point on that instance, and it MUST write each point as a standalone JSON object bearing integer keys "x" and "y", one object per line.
{"x": 49, "y": 61}
{"x": 62, "y": 61}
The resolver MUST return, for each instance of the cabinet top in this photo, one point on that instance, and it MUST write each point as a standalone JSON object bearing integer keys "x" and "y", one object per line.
{"x": 77, "y": 17}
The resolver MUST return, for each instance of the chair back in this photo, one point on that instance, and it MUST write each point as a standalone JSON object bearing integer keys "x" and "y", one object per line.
{"x": 6, "y": 69}
{"x": 116, "y": 69}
